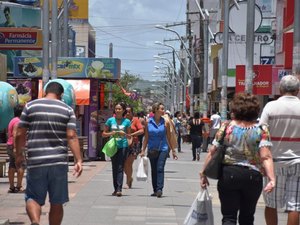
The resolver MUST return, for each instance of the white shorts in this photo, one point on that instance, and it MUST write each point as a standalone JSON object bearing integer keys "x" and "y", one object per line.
{"x": 286, "y": 193}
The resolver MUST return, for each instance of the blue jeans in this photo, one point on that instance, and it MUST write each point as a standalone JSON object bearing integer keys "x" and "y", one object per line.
{"x": 158, "y": 171}
{"x": 117, "y": 162}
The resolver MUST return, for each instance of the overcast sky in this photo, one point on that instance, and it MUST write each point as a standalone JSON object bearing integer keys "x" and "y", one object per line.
{"x": 130, "y": 26}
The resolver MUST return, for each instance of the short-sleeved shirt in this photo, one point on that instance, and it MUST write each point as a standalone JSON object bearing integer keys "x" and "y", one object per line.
{"x": 243, "y": 144}
{"x": 10, "y": 129}
{"x": 157, "y": 136}
{"x": 47, "y": 121}
{"x": 112, "y": 124}
{"x": 215, "y": 121}
{"x": 283, "y": 119}
{"x": 135, "y": 126}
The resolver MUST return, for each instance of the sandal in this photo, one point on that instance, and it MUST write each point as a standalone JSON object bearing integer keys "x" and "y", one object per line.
{"x": 19, "y": 189}
{"x": 129, "y": 183}
{"x": 12, "y": 190}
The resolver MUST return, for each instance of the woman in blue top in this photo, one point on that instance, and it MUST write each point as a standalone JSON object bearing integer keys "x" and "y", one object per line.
{"x": 247, "y": 158}
{"x": 157, "y": 136}
{"x": 118, "y": 127}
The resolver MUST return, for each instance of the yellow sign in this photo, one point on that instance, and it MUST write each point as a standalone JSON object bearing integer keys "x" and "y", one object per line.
{"x": 79, "y": 9}
{"x": 20, "y": 38}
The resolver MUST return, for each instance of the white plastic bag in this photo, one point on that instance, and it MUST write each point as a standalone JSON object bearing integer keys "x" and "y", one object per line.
{"x": 142, "y": 171}
{"x": 200, "y": 212}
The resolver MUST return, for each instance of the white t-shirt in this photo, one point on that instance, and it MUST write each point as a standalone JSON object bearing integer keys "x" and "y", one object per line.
{"x": 216, "y": 121}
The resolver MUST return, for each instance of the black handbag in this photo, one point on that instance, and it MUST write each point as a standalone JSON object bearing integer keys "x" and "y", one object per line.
{"x": 153, "y": 153}
{"x": 214, "y": 167}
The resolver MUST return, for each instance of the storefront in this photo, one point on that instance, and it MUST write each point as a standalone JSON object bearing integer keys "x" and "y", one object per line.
{"x": 88, "y": 77}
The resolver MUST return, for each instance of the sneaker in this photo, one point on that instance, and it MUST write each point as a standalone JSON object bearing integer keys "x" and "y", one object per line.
{"x": 159, "y": 194}
{"x": 153, "y": 194}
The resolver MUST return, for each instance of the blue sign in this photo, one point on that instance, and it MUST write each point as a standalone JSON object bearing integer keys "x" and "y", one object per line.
{"x": 70, "y": 67}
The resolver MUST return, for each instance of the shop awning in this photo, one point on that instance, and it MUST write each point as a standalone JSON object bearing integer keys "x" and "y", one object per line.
{"x": 82, "y": 91}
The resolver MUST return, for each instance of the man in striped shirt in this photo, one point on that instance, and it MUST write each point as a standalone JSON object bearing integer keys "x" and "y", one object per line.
{"x": 283, "y": 118}
{"x": 49, "y": 126}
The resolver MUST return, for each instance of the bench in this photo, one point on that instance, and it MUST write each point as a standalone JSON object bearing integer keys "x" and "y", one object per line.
{"x": 83, "y": 143}
{"x": 4, "y": 158}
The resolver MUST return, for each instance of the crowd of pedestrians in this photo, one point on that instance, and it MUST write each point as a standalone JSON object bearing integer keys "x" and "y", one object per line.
{"x": 260, "y": 155}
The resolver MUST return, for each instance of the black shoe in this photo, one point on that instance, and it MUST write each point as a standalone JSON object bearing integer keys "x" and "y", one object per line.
{"x": 153, "y": 194}
{"x": 159, "y": 194}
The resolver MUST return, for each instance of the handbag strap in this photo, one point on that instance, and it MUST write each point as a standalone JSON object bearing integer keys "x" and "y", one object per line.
{"x": 224, "y": 134}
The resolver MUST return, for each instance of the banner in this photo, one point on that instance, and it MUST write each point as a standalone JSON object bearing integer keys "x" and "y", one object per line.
{"x": 70, "y": 67}
{"x": 20, "y": 39}
{"x": 262, "y": 81}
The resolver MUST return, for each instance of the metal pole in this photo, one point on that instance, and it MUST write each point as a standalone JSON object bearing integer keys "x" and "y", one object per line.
{"x": 65, "y": 30}
{"x": 296, "y": 47}
{"x": 205, "y": 77}
{"x": 45, "y": 41}
{"x": 54, "y": 39}
{"x": 192, "y": 83}
{"x": 249, "y": 46}
{"x": 225, "y": 61}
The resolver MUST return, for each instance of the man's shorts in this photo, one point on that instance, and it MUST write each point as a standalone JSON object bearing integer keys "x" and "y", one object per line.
{"x": 287, "y": 190}
{"x": 51, "y": 179}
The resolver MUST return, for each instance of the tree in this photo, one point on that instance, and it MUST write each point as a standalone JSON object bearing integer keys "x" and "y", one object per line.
{"x": 126, "y": 81}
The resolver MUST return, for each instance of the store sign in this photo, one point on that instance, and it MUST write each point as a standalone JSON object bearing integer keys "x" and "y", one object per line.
{"x": 262, "y": 81}
{"x": 70, "y": 67}
{"x": 20, "y": 38}
{"x": 262, "y": 38}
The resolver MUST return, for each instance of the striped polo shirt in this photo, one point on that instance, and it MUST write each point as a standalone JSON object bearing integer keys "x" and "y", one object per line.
{"x": 47, "y": 121}
{"x": 283, "y": 118}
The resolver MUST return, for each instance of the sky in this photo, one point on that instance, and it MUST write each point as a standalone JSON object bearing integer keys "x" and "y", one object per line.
{"x": 130, "y": 26}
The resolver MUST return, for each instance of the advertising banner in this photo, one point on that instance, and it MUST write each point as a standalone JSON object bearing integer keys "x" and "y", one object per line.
{"x": 68, "y": 67}
{"x": 93, "y": 119}
{"x": 19, "y": 17}
{"x": 21, "y": 39}
{"x": 262, "y": 81}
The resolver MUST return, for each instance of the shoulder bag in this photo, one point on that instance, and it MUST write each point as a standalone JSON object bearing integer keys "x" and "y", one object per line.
{"x": 214, "y": 167}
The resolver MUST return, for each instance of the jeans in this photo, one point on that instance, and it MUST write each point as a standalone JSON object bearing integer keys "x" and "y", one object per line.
{"x": 239, "y": 189}
{"x": 196, "y": 144}
{"x": 117, "y": 162}
{"x": 158, "y": 171}
{"x": 179, "y": 141}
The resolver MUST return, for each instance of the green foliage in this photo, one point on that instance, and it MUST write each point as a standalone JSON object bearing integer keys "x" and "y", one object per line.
{"x": 127, "y": 81}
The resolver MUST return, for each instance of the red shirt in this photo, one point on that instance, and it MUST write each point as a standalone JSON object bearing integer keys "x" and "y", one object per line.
{"x": 135, "y": 126}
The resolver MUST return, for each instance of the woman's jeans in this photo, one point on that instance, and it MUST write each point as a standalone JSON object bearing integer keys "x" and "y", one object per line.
{"x": 196, "y": 144}
{"x": 117, "y": 162}
{"x": 239, "y": 189}
{"x": 158, "y": 171}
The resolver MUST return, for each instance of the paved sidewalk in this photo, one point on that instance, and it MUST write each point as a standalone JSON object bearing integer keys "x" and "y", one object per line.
{"x": 91, "y": 202}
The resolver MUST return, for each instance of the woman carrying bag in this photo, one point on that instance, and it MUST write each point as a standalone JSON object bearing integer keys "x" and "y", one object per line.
{"x": 119, "y": 128}
{"x": 247, "y": 158}
{"x": 134, "y": 148}
{"x": 157, "y": 136}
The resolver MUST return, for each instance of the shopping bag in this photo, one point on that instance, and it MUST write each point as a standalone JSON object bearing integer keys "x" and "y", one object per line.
{"x": 200, "y": 212}
{"x": 110, "y": 148}
{"x": 142, "y": 171}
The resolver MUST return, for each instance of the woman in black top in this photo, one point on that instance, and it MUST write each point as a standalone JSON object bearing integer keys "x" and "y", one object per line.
{"x": 197, "y": 128}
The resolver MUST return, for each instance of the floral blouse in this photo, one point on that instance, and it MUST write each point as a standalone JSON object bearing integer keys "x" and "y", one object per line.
{"x": 243, "y": 144}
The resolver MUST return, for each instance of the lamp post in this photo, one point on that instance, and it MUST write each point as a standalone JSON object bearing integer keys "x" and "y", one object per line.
{"x": 182, "y": 42}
